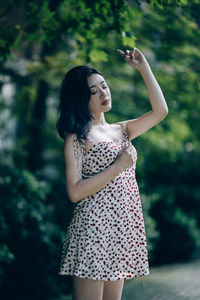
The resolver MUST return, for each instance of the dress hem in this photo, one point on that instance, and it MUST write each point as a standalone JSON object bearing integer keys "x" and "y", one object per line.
{"x": 106, "y": 278}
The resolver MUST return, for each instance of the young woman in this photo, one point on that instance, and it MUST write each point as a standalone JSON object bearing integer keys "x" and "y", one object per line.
{"x": 105, "y": 241}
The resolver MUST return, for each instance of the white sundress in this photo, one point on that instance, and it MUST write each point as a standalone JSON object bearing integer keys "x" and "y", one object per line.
{"x": 106, "y": 238}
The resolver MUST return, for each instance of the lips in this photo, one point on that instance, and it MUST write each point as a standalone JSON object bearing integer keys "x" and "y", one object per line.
{"x": 105, "y": 102}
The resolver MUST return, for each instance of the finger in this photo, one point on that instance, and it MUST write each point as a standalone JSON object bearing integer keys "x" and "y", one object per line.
{"x": 131, "y": 54}
{"x": 121, "y": 52}
{"x": 137, "y": 51}
{"x": 128, "y": 53}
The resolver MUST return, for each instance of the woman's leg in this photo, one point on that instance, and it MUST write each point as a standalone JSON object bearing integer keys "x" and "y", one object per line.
{"x": 113, "y": 290}
{"x": 87, "y": 289}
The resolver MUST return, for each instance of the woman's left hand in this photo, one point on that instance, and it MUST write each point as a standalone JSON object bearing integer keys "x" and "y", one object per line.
{"x": 134, "y": 58}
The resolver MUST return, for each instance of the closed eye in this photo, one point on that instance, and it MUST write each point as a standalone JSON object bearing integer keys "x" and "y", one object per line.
{"x": 104, "y": 87}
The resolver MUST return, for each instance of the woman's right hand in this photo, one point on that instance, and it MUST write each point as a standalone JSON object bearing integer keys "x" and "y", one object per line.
{"x": 124, "y": 159}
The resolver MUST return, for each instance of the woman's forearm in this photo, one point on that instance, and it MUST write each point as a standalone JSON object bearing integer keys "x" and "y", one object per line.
{"x": 156, "y": 97}
{"x": 92, "y": 185}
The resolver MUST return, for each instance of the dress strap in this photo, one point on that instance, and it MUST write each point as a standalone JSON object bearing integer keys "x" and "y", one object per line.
{"x": 79, "y": 152}
{"x": 124, "y": 131}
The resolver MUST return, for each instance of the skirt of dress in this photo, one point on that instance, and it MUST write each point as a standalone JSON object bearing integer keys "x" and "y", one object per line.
{"x": 106, "y": 237}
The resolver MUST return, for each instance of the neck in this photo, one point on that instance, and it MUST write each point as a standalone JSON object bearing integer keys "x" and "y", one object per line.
{"x": 99, "y": 120}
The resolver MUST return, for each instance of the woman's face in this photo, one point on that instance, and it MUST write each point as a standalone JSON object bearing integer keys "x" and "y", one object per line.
{"x": 100, "y": 92}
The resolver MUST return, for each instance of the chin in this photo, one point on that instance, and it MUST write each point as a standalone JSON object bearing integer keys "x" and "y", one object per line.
{"x": 108, "y": 108}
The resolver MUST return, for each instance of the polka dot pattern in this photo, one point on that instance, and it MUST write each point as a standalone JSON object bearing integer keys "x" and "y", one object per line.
{"x": 106, "y": 238}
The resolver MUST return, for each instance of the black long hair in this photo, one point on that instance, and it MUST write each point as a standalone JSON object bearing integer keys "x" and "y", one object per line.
{"x": 74, "y": 114}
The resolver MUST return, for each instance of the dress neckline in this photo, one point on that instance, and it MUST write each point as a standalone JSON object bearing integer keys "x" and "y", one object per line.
{"x": 106, "y": 142}
{"x": 102, "y": 142}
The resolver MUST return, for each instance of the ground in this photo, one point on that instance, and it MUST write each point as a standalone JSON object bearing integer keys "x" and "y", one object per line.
{"x": 170, "y": 282}
{"x": 174, "y": 282}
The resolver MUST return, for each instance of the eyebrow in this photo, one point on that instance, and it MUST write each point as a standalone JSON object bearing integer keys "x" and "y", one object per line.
{"x": 95, "y": 85}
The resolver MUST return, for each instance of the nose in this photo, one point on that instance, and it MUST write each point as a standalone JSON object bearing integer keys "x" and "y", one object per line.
{"x": 103, "y": 93}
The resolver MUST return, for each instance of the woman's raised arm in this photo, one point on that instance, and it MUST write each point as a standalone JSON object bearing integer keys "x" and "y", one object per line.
{"x": 136, "y": 127}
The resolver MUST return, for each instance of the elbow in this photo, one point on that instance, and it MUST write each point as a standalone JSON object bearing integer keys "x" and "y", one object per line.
{"x": 161, "y": 115}
{"x": 164, "y": 112}
{"x": 72, "y": 195}
{"x": 74, "y": 198}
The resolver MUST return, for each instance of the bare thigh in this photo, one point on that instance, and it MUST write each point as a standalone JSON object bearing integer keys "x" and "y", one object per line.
{"x": 113, "y": 290}
{"x": 87, "y": 289}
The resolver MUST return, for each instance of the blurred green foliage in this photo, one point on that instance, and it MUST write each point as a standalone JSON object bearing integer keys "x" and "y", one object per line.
{"x": 39, "y": 43}
{"x": 29, "y": 236}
